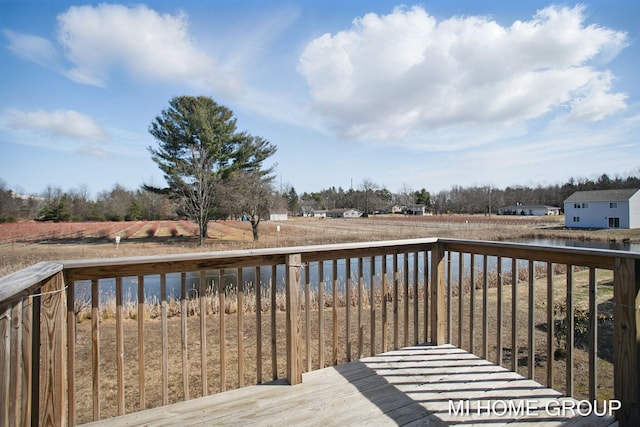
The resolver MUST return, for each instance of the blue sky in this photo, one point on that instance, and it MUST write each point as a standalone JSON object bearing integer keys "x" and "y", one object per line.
{"x": 407, "y": 95}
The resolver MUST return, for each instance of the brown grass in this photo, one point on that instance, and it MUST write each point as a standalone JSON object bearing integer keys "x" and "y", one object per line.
{"x": 236, "y": 235}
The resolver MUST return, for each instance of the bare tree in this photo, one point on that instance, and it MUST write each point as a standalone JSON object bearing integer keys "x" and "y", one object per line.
{"x": 251, "y": 196}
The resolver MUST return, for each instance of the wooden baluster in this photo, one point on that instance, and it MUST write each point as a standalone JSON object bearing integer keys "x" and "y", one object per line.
{"x": 203, "y": 332}
{"x": 570, "y": 331}
{"x": 71, "y": 353}
{"x": 514, "y": 315}
{"x": 6, "y": 399}
{"x": 499, "y": 314}
{"x": 372, "y": 303}
{"x": 240, "y": 331}
{"x": 593, "y": 335}
{"x": 274, "y": 348}
{"x": 396, "y": 284}
{"x": 120, "y": 347}
{"x": 258, "y": 287}
{"x": 307, "y": 315}
{"x": 360, "y": 291}
{"x": 485, "y": 308}
{"x": 36, "y": 360}
{"x": 416, "y": 299}
{"x": 348, "y": 310}
{"x": 472, "y": 303}
{"x": 165, "y": 339}
{"x": 449, "y": 299}
{"x": 426, "y": 295}
{"x": 223, "y": 344}
{"x": 14, "y": 350}
{"x": 531, "y": 350}
{"x": 183, "y": 335}
{"x": 321, "y": 314}
{"x": 141, "y": 371}
{"x": 460, "y": 297}
{"x": 27, "y": 360}
{"x": 550, "y": 327}
{"x": 405, "y": 286}
{"x": 334, "y": 311}
{"x": 385, "y": 292}
{"x": 95, "y": 347}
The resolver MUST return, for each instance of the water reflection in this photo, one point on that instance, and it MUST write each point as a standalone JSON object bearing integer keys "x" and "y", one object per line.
{"x": 618, "y": 246}
{"x": 415, "y": 267}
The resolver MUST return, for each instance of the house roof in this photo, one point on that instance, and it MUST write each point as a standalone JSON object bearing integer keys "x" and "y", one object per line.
{"x": 338, "y": 211}
{"x": 602, "y": 195}
{"x": 514, "y": 207}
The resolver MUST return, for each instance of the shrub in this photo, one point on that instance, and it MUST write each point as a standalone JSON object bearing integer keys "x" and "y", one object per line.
{"x": 581, "y": 319}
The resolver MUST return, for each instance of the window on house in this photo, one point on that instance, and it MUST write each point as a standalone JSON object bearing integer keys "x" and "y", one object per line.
{"x": 576, "y": 219}
{"x": 614, "y": 222}
{"x": 585, "y": 205}
{"x": 613, "y": 205}
{"x": 576, "y": 205}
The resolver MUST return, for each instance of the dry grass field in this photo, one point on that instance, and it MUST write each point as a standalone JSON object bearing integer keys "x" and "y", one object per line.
{"x": 20, "y": 248}
{"x": 176, "y": 237}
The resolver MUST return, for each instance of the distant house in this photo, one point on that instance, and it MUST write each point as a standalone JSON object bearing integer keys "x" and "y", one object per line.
{"x": 603, "y": 209}
{"x": 319, "y": 214}
{"x": 395, "y": 209}
{"x": 416, "y": 210}
{"x": 529, "y": 210}
{"x": 278, "y": 216}
{"x": 344, "y": 213}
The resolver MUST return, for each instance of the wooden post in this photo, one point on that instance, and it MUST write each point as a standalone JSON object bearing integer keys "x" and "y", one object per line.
{"x": 53, "y": 368}
{"x": 437, "y": 294}
{"x": 294, "y": 355}
{"x": 627, "y": 340}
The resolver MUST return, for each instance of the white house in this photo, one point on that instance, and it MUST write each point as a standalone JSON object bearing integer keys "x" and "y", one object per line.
{"x": 278, "y": 215}
{"x": 529, "y": 210}
{"x": 352, "y": 213}
{"x": 603, "y": 209}
{"x": 344, "y": 213}
{"x": 416, "y": 210}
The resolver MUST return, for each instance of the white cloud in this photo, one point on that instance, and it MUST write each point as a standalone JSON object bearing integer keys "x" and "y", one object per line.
{"x": 98, "y": 40}
{"x": 57, "y": 124}
{"x": 34, "y": 48}
{"x": 407, "y": 74}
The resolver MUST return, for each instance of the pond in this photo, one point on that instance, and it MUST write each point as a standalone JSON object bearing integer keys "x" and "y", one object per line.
{"x": 229, "y": 279}
{"x": 594, "y": 244}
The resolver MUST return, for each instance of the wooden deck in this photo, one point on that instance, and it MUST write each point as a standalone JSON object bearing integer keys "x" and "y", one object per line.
{"x": 412, "y": 386}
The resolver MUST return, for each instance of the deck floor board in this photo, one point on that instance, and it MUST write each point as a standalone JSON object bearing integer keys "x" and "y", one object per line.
{"x": 411, "y": 386}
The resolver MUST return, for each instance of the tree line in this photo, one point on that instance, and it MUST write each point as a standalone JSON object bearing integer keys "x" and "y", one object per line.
{"x": 58, "y": 205}
{"x": 371, "y": 198}
{"x": 121, "y": 204}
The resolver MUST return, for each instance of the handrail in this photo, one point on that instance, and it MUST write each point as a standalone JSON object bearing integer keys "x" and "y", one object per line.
{"x": 20, "y": 283}
{"x": 412, "y": 277}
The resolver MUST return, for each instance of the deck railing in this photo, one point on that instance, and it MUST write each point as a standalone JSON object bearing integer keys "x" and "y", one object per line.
{"x": 180, "y": 323}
